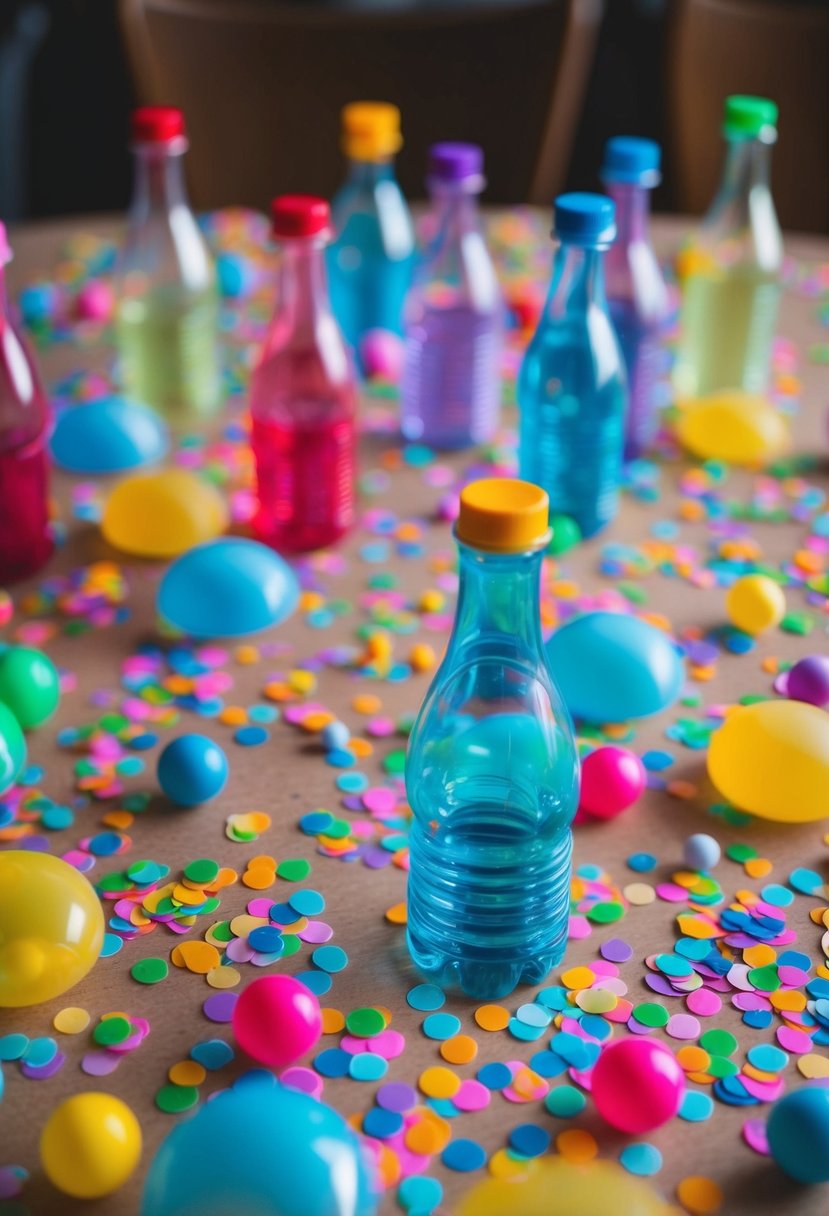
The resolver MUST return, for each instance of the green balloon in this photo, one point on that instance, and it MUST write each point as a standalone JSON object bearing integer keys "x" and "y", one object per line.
{"x": 29, "y": 685}
{"x": 12, "y": 748}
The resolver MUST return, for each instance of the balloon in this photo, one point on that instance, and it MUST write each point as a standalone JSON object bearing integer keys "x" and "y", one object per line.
{"x": 557, "y": 1187}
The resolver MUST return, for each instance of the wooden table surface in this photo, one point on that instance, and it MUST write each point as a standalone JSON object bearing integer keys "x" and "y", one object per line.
{"x": 288, "y": 777}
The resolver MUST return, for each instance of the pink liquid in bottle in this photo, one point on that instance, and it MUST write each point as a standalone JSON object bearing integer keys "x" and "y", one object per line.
{"x": 25, "y": 541}
{"x": 303, "y": 398}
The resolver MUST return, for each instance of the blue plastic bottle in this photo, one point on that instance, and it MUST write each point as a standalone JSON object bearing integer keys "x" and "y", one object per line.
{"x": 572, "y": 389}
{"x": 451, "y": 389}
{"x": 370, "y": 261}
{"x": 637, "y": 294}
{"x": 492, "y": 767}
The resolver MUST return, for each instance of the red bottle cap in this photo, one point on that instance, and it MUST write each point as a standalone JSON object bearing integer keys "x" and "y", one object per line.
{"x": 157, "y": 125}
{"x": 300, "y": 215}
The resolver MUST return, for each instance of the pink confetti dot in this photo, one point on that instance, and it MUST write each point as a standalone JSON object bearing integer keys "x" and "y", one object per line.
{"x": 683, "y": 1026}
{"x": 472, "y": 1095}
{"x": 703, "y": 1002}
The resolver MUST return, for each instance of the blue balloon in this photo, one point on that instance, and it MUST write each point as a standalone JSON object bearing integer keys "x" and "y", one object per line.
{"x": 611, "y": 667}
{"x": 192, "y": 769}
{"x": 109, "y": 435}
{"x": 798, "y": 1134}
{"x": 260, "y": 1149}
{"x": 227, "y": 588}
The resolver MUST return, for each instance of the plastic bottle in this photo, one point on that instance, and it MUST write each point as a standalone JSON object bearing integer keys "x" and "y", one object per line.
{"x": 451, "y": 388}
{"x": 572, "y": 388}
{"x": 370, "y": 262}
{"x": 731, "y": 279}
{"x": 25, "y": 422}
{"x": 492, "y": 767}
{"x": 637, "y": 294}
{"x": 302, "y": 396}
{"x": 167, "y": 298}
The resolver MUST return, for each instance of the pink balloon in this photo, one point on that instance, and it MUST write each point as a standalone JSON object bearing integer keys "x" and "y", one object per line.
{"x": 637, "y": 1085}
{"x": 276, "y": 1020}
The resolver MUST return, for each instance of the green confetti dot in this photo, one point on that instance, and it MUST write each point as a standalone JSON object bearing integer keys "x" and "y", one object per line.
{"x": 150, "y": 970}
{"x": 294, "y": 869}
{"x": 222, "y": 931}
{"x": 173, "y": 1099}
{"x": 112, "y": 1031}
{"x": 649, "y": 1013}
{"x": 800, "y": 623}
{"x": 395, "y": 762}
{"x": 365, "y": 1023}
{"x": 338, "y": 829}
{"x": 565, "y": 1101}
{"x": 766, "y": 979}
{"x": 292, "y": 945}
{"x": 718, "y": 1042}
{"x": 605, "y": 913}
{"x": 740, "y": 852}
{"x": 202, "y": 872}
{"x": 720, "y": 1066}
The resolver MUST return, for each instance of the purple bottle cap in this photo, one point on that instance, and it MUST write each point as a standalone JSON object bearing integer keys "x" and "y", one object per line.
{"x": 456, "y": 162}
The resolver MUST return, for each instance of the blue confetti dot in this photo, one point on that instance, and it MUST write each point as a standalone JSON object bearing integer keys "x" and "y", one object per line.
{"x": 696, "y": 1107}
{"x": 641, "y": 1159}
{"x": 495, "y": 1076}
{"x": 367, "y": 1066}
{"x": 111, "y": 945}
{"x": 12, "y": 1046}
{"x": 463, "y": 1156}
{"x": 642, "y": 863}
{"x": 318, "y": 982}
{"x": 420, "y": 1194}
{"x": 307, "y": 902}
{"x": 333, "y": 1062}
{"x": 315, "y": 823}
{"x": 330, "y": 958}
{"x": 39, "y": 1052}
{"x": 212, "y": 1054}
{"x": 251, "y": 736}
{"x": 777, "y": 895}
{"x": 266, "y": 939}
{"x": 529, "y": 1140}
{"x": 548, "y": 1064}
{"x": 426, "y": 997}
{"x": 440, "y": 1026}
{"x": 524, "y": 1033}
{"x": 352, "y": 783}
{"x": 767, "y": 1057}
{"x": 382, "y": 1123}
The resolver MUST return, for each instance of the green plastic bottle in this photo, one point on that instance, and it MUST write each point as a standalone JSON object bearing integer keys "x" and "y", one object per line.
{"x": 731, "y": 274}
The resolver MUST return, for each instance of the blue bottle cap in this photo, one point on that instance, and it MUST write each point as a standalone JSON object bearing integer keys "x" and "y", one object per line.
{"x": 585, "y": 219}
{"x": 627, "y": 158}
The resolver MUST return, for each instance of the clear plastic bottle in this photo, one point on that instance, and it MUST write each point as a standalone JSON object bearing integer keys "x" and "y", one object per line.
{"x": 370, "y": 261}
{"x": 731, "y": 275}
{"x": 25, "y": 422}
{"x": 451, "y": 387}
{"x": 637, "y": 294}
{"x": 492, "y": 770}
{"x": 167, "y": 297}
{"x": 303, "y": 400}
{"x": 572, "y": 388}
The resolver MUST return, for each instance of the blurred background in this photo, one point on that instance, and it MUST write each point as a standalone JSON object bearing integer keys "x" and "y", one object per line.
{"x": 541, "y": 84}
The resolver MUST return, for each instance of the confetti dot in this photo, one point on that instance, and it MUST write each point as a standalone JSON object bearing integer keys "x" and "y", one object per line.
{"x": 463, "y": 1156}
{"x": 699, "y": 1196}
{"x": 150, "y": 970}
{"x": 426, "y": 998}
{"x": 460, "y": 1049}
{"x": 641, "y": 1159}
{"x": 441, "y": 1026}
{"x": 71, "y": 1020}
{"x": 565, "y": 1101}
{"x": 529, "y": 1140}
{"x": 187, "y": 1072}
{"x": 576, "y": 1145}
{"x": 439, "y": 1082}
{"x": 173, "y": 1099}
{"x": 330, "y": 958}
{"x": 492, "y": 1017}
{"x": 365, "y": 1023}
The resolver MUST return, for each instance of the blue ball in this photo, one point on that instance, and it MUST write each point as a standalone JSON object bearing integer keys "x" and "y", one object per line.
{"x": 192, "y": 769}
{"x": 798, "y": 1134}
{"x": 335, "y": 736}
{"x": 262, "y": 1150}
{"x": 235, "y": 275}
{"x": 701, "y": 852}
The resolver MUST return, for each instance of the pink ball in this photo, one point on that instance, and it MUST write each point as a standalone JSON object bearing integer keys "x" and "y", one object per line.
{"x": 95, "y": 301}
{"x": 381, "y": 353}
{"x": 276, "y": 1020}
{"x": 612, "y": 778}
{"x": 637, "y": 1085}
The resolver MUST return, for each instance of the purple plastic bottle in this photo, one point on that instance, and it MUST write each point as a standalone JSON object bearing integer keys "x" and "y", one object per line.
{"x": 637, "y": 295}
{"x": 451, "y": 387}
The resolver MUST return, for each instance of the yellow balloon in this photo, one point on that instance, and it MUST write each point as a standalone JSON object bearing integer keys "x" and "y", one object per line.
{"x": 755, "y": 602}
{"x": 163, "y": 514}
{"x": 557, "y": 1187}
{"x": 51, "y": 927}
{"x": 733, "y": 426}
{"x": 90, "y": 1145}
{"x": 772, "y": 759}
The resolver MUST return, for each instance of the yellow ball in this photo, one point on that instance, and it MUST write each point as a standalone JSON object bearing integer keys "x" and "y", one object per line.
{"x": 51, "y": 927}
{"x": 422, "y": 657}
{"x": 557, "y": 1187}
{"x": 755, "y": 603}
{"x": 90, "y": 1145}
{"x": 163, "y": 514}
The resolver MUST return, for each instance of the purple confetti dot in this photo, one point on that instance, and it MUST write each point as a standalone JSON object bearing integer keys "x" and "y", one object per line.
{"x": 616, "y": 950}
{"x": 220, "y": 1006}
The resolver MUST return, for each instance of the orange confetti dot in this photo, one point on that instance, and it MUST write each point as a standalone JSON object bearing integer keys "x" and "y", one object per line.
{"x": 198, "y": 957}
{"x": 186, "y": 1072}
{"x": 576, "y": 1145}
{"x": 492, "y": 1017}
{"x": 460, "y": 1049}
{"x": 759, "y": 956}
{"x": 700, "y": 1196}
{"x": 578, "y": 977}
{"x": 790, "y": 1000}
{"x": 366, "y": 703}
{"x": 692, "y": 1058}
{"x": 397, "y": 914}
{"x": 438, "y": 1082}
{"x": 758, "y": 867}
{"x": 424, "y": 1138}
{"x": 233, "y": 715}
{"x": 333, "y": 1021}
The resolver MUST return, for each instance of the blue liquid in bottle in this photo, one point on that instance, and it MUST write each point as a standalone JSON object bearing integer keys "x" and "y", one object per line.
{"x": 492, "y": 767}
{"x": 451, "y": 388}
{"x": 370, "y": 261}
{"x": 572, "y": 390}
{"x": 638, "y": 298}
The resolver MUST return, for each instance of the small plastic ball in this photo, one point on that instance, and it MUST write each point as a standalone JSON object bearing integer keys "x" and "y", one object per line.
{"x": 29, "y": 685}
{"x": 449, "y": 507}
{"x": 422, "y": 657}
{"x": 808, "y": 680}
{"x": 612, "y": 778}
{"x": 555, "y": 1186}
{"x": 192, "y": 769}
{"x": 755, "y": 603}
{"x": 90, "y": 1145}
{"x": 637, "y": 1085}
{"x": 39, "y": 302}
{"x": 335, "y": 736}
{"x": 566, "y": 534}
{"x": 51, "y": 927}
{"x": 276, "y": 1020}
{"x": 381, "y": 354}
{"x": 798, "y": 1134}
{"x": 701, "y": 852}
{"x": 95, "y": 301}
{"x": 235, "y": 275}
{"x": 12, "y": 748}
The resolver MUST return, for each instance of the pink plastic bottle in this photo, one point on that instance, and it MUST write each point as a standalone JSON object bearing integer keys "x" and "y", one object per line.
{"x": 25, "y": 420}
{"x": 303, "y": 399}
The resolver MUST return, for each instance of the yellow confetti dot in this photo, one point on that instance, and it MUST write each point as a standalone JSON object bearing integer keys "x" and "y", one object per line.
{"x": 198, "y": 957}
{"x": 333, "y": 1021}
{"x": 186, "y": 1072}
{"x": 431, "y": 601}
{"x": 596, "y": 1000}
{"x": 71, "y": 1020}
{"x": 492, "y": 1017}
{"x": 244, "y": 923}
{"x": 302, "y": 681}
{"x": 578, "y": 977}
{"x": 438, "y": 1082}
{"x": 639, "y": 894}
{"x": 697, "y": 927}
{"x": 813, "y": 1065}
{"x": 366, "y": 703}
{"x": 759, "y": 956}
{"x": 576, "y": 1145}
{"x": 700, "y": 1196}
{"x": 187, "y": 896}
{"x": 503, "y": 1165}
{"x": 460, "y": 1049}
{"x": 245, "y": 655}
{"x": 223, "y": 977}
{"x": 233, "y": 715}
{"x": 397, "y": 915}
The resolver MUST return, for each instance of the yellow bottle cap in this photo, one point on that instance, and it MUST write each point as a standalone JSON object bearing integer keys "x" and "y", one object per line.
{"x": 503, "y": 515}
{"x": 371, "y": 130}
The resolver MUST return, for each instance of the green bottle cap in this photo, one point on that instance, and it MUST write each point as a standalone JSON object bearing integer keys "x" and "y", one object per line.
{"x": 748, "y": 117}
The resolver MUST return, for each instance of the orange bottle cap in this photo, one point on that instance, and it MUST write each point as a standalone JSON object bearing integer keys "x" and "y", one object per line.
{"x": 503, "y": 515}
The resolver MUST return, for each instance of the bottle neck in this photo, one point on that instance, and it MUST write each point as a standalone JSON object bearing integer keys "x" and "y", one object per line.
{"x": 302, "y": 284}
{"x": 455, "y": 208}
{"x": 577, "y": 280}
{"x": 498, "y": 603}
{"x": 368, "y": 173}
{"x": 159, "y": 184}
{"x": 747, "y": 166}
{"x": 633, "y": 209}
